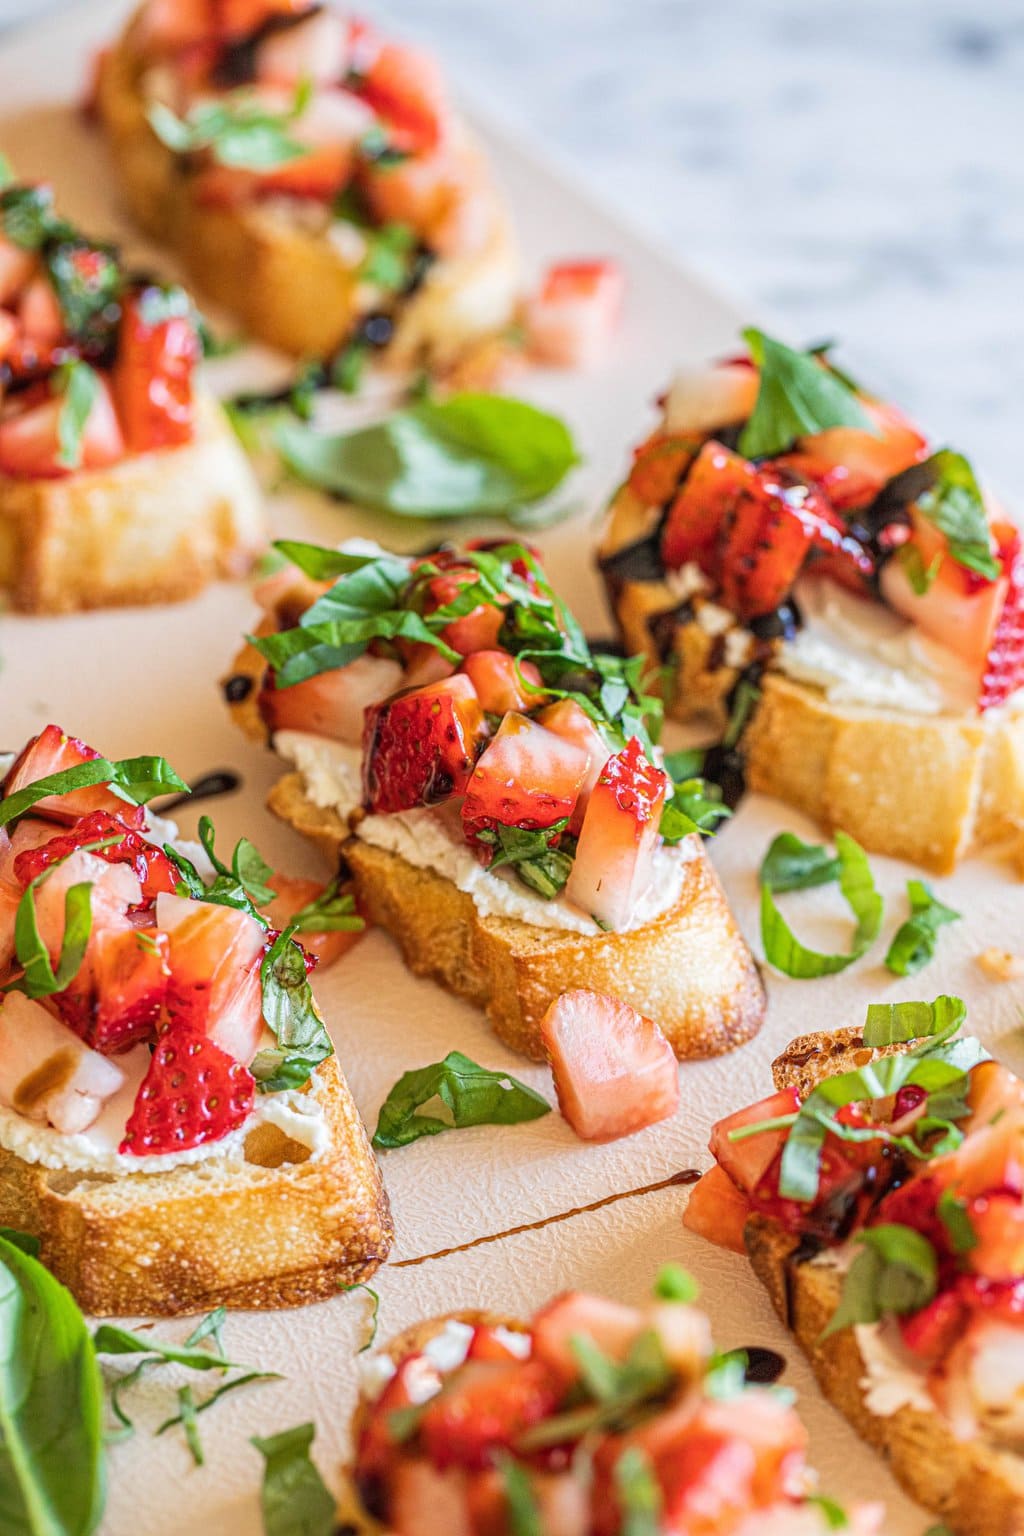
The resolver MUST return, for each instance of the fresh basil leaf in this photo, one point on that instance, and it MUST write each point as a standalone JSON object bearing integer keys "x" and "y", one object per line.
{"x": 783, "y": 949}
{"x": 618, "y": 1392}
{"x": 674, "y": 1283}
{"x": 895, "y": 1271}
{"x": 333, "y": 911}
{"x": 793, "y": 865}
{"x": 39, "y": 978}
{"x": 915, "y": 940}
{"x": 921, "y": 576}
{"x": 110, "y": 1339}
{"x": 955, "y": 1217}
{"x": 138, "y": 778}
{"x": 694, "y": 806}
{"x": 23, "y": 1240}
{"x": 191, "y": 882}
{"x": 524, "y": 1517}
{"x": 835, "y": 1517}
{"x": 252, "y": 872}
{"x": 325, "y": 564}
{"x": 469, "y": 455}
{"x": 52, "y": 1472}
{"x": 528, "y": 851}
{"x": 955, "y": 505}
{"x": 797, "y": 398}
{"x": 291, "y": 1013}
{"x": 389, "y": 251}
{"x": 294, "y": 1498}
{"x": 470, "y": 1094}
{"x": 894, "y": 1023}
{"x": 374, "y": 1311}
{"x": 80, "y": 386}
{"x": 638, "y": 1494}
{"x": 237, "y": 131}
{"x": 726, "y": 1375}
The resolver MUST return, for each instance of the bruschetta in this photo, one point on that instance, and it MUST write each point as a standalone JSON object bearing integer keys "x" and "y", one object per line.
{"x": 120, "y": 479}
{"x": 878, "y": 1194}
{"x": 174, "y": 1127}
{"x": 593, "y": 1419}
{"x": 839, "y": 597}
{"x": 494, "y": 789}
{"x": 312, "y": 175}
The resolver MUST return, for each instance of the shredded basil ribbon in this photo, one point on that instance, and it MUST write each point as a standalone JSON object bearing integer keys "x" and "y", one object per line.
{"x": 472, "y": 1095}
{"x": 138, "y": 778}
{"x": 781, "y": 946}
{"x": 914, "y": 943}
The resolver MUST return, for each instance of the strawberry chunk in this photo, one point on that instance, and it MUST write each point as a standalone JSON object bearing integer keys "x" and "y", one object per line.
{"x": 850, "y": 464}
{"x": 747, "y": 1161}
{"x": 10, "y": 897}
{"x": 498, "y": 681}
{"x": 327, "y": 945}
{"x": 526, "y": 777}
{"x": 214, "y": 985}
{"x": 484, "y": 1409}
{"x": 658, "y": 466}
{"x": 614, "y": 859}
{"x": 332, "y": 703}
{"x": 416, "y": 1380}
{"x": 17, "y": 268}
{"x": 716, "y": 480}
{"x": 1003, "y": 670}
{"x": 153, "y": 374}
{"x": 419, "y": 747}
{"x": 717, "y": 1210}
{"x": 30, "y": 446}
{"x": 46, "y": 1072}
{"x": 406, "y": 89}
{"x": 150, "y": 864}
{"x": 192, "y": 1093}
{"x": 568, "y": 720}
{"x": 130, "y": 972}
{"x": 610, "y": 1325}
{"x": 475, "y": 631}
{"x": 614, "y": 1071}
{"x": 571, "y": 321}
{"x": 54, "y": 751}
{"x": 39, "y": 314}
{"x": 704, "y": 400}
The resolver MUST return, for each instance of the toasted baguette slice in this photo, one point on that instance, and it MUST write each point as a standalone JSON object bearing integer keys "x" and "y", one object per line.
{"x": 154, "y": 528}
{"x": 977, "y": 1488}
{"x": 287, "y": 283}
{"x": 280, "y": 1229}
{"x": 689, "y": 969}
{"x": 928, "y": 788}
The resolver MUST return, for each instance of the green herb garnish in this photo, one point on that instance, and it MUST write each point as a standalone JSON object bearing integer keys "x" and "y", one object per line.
{"x": 79, "y": 386}
{"x": 799, "y": 396}
{"x": 528, "y": 851}
{"x": 139, "y": 779}
{"x": 895, "y": 1272}
{"x": 915, "y": 940}
{"x": 291, "y": 1013}
{"x": 955, "y": 505}
{"x": 294, "y": 1498}
{"x": 784, "y": 950}
{"x": 793, "y": 865}
{"x": 237, "y": 130}
{"x": 466, "y": 1095}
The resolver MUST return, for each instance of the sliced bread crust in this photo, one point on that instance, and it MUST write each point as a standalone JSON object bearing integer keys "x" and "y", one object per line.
{"x": 689, "y": 969}
{"x": 976, "y": 1487}
{"x": 153, "y": 529}
{"x": 266, "y": 1232}
{"x": 926, "y": 788}
{"x": 289, "y": 285}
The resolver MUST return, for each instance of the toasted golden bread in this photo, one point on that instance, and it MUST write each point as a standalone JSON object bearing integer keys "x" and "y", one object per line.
{"x": 154, "y": 528}
{"x": 279, "y": 1229}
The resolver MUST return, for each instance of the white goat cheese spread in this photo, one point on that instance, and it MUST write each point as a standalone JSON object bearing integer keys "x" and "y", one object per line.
{"x": 893, "y": 1378}
{"x": 431, "y": 838}
{"x": 446, "y": 1350}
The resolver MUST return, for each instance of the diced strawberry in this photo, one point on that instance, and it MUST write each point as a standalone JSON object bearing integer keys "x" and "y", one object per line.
{"x": 419, "y": 747}
{"x": 316, "y": 49}
{"x": 1003, "y": 670}
{"x": 958, "y": 610}
{"x": 474, "y": 631}
{"x": 425, "y": 192}
{"x": 568, "y": 720}
{"x": 497, "y": 678}
{"x": 998, "y": 1223}
{"x": 40, "y": 315}
{"x": 130, "y": 973}
{"x": 17, "y": 268}
{"x": 54, "y": 751}
{"x": 571, "y": 321}
{"x": 332, "y": 703}
{"x": 488, "y": 1344}
{"x": 153, "y": 375}
{"x": 192, "y": 1093}
{"x": 747, "y": 1161}
{"x": 426, "y": 1502}
{"x": 614, "y": 1071}
{"x": 608, "y": 1324}
{"x": 154, "y": 869}
{"x": 287, "y": 593}
{"x": 10, "y": 897}
{"x": 215, "y": 955}
{"x": 416, "y": 1380}
{"x": 717, "y": 1210}
{"x": 30, "y": 440}
{"x": 720, "y": 396}
{"x": 934, "y": 1330}
{"x": 716, "y": 480}
{"x": 173, "y": 24}
{"x": 658, "y": 466}
{"x": 9, "y": 333}
{"x": 46, "y": 1072}
{"x": 614, "y": 859}
{"x": 406, "y": 89}
{"x": 115, "y": 891}
{"x": 769, "y": 1425}
{"x": 705, "y": 1482}
{"x": 851, "y": 464}
{"x": 425, "y": 664}
{"x": 526, "y": 777}
{"x": 484, "y": 1408}
{"x": 292, "y": 895}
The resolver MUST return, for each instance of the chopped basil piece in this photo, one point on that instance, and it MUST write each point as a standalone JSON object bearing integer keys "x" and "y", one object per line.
{"x": 468, "y": 1094}
{"x": 955, "y": 504}
{"x": 674, "y": 1283}
{"x": 374, "y": 1311}
{"x": 798, "y": 397}
{"x": 793, "y": 865}
{"x": 834, "y": 1515}
{"x": 915, "y": 940}
{"x": 694, "y": 806}
{"x": 331, "y": 912}
{"x": 79, "y": 385}
{"x": 389, "y": 250}
{"x": 954, "y": 1215}
{"x": 745, "y": 699}
{"x": 638, "y": 1493}
{"x": 248, "y": 867}
{"x": 470, "y": 455}
{"x": 237, "y": 130}
{"x": 292, "y": 1015}
{"x": 294, "y": 1498}
{"x": 187, "y": 1420}
{"x": 783, "y": 949}
{"x": 348, "y": 367}
{"x": 223, "y": 1390}
{"x": 524, "y": 1517}
{"x": 87, "y": 281}
{"x": 921, "y": 576}
{"x": 894, "y": 1023}
{"x": 529, "y": 852}
{"x": 139, "y": 779}
{"x": 39, "y": 978}
{"x": 27, "y": 217}
{"x": 895, "y": 1272}
{"x": 110, "y": 1339}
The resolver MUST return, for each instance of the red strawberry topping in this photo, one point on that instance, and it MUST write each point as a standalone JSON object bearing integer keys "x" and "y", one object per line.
{"x": 1003, "y": 671}
{"x": 192, "y": 1093}
{"x": 527, "y": 777}
{"x": 54, "y": 751}
{"x": 153, "y": 377}
{"x": 152, "y": 866}
{"x": 419, "y": 747}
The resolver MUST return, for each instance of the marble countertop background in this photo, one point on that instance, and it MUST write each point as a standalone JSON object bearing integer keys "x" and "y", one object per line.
{"x": 849, "y": 171}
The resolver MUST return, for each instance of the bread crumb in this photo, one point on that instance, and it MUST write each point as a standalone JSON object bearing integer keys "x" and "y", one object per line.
{"x": 1001, "y": 965}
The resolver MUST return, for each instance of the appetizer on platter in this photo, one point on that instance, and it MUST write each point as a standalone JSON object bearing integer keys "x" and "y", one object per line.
{"x": 593, "y": 1419}
{"x": 313, "y": 176}
{"x": 120, "y": 479}
{"x": 174, "y": 1127}
{"x": 494, "y": 788}
{"x": 878, "y": 1192}
{"x": 840, "y": 597}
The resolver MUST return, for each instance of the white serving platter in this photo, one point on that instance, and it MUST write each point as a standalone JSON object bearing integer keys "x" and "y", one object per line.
{"x": 146, "y": 680}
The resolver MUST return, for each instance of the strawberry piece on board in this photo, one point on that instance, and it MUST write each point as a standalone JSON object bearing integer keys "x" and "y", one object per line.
{"x": 526, "y": 777}
{"x": 715, "y": 482}
{"x": 328, "y": 944}
{"x": 614, "y": 1071}
{"x": 193, "y": 1092}
{"x": 1003, "y": 671}
{"x": 484, "y": 1408}
{"x": 130, "y": 975}
{"x": 157, "y": 356}
{"x": 54, "y": 751}
{"x": 419, "y": 747}
{"x": 614, "y": 859}
{"x": 717, "y": 1210}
